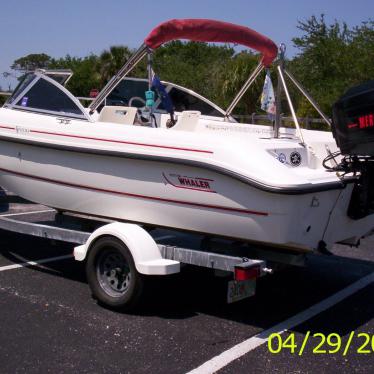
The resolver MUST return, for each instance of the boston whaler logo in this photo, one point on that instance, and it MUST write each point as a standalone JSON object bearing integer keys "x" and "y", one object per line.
{"x": 22, "y": 130}
{"x": 190, "y": 183}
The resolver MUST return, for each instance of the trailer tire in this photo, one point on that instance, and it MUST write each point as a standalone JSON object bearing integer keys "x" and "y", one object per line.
{"x": 112, "y": 275}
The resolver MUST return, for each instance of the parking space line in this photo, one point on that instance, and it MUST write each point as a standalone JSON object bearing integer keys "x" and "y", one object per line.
{"x": 33, "y": 263}
{"x": 26, "y": 213}
{"x": 226, "y": 357}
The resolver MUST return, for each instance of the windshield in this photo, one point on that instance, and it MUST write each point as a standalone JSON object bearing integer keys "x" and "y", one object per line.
{"x": 39, "y": 93}
{"x": 44, "y": 95}
{"x": 25, "y": 81}
{"x": 130, "y": 92}
{"x": 183, "y": 100}
{"x": 61, "y": 76}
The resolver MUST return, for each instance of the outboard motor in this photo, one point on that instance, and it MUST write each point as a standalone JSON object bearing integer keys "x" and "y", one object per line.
{"x": 353, "y": 130}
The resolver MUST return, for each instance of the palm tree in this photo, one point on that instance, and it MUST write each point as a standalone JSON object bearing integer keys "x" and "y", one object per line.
{"x": 235, "y": 74}
{"x": 110, "y": 61}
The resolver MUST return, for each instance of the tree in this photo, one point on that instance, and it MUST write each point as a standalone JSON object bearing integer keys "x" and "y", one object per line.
{"x": 2, "y": 97}
{"x": 31, "y": 62}
{"x": 362, "y": 51}
{"x": 234, "y": 74}
{"x": 194, "y": 65}
{"x": 332, "y": 58}
{"x": 110, "y": 61}
{"x": 86, "y": 73}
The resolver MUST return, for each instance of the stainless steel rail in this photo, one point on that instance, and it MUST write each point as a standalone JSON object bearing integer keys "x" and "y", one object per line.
{"x": 243, "y": 90}
{"x": 126, "y": 68}
{"x": 291, "y": 105}
{"x": 309, "y": 98}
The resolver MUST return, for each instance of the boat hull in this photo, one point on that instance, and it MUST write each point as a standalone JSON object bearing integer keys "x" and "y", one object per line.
{"x": 164, "y": 194}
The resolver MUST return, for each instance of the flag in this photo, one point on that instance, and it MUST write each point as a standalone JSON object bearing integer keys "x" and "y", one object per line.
{"x": 165, "y": 98}
{"x": 267, "y": 97}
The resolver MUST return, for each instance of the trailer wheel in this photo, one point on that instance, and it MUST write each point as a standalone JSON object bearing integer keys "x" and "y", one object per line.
{"x": 112, "y": 275}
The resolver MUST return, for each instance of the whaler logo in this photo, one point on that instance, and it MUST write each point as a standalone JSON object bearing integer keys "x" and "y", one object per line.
{"x": 22, "y": 130}
{"x": 190, "y": 183}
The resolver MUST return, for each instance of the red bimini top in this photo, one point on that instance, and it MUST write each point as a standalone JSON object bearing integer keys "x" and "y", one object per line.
{"x": 205, "y": 30}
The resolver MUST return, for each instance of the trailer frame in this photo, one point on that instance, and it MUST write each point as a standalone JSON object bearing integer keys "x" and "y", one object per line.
{"x": 156, "y": 258}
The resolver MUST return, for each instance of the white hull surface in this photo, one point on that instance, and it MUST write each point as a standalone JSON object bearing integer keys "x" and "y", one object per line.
{"x": 232, "y": 185}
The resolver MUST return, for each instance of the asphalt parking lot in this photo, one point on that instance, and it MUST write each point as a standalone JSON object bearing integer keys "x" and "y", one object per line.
{"x": 50, "y": 323}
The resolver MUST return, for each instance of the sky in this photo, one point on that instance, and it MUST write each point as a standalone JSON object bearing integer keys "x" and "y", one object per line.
{"x": 81, "y": 27}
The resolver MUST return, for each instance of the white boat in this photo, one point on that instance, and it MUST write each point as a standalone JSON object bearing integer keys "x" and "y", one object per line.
{"x": 197, "y": 171}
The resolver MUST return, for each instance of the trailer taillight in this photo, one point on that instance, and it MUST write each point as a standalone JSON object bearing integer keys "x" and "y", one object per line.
{"x": 243, "y": 273}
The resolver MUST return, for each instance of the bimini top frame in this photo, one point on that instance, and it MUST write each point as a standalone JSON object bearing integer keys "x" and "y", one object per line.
{"x": 205, "y": 30}
{"x": 202, "y": 30}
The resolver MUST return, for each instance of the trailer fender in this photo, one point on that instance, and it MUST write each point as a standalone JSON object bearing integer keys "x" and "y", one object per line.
{"x": 144, "y": 250}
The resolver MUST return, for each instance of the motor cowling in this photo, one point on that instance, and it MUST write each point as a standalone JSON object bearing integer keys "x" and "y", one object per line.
{"x": 353, "y": 121}
{"x": 353, "y": 130}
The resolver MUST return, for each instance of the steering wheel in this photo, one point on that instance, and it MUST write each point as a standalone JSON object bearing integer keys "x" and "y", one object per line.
{"x": 138, "y": 98}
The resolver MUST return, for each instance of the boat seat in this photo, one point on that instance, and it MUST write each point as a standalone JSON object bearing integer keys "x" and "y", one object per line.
{"x": 118, "y": 114}
{"x": 187, "y": 121}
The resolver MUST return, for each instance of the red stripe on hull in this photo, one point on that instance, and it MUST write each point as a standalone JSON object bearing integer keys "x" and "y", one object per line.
{"x": 112, "y": 140}
{"x": 120, "y": 141}
{"x": 7, "y": 127}
{"x": 154, "y": 198}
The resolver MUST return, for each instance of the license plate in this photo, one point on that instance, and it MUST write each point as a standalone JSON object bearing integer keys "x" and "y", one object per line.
{"x": 238, "y": 290}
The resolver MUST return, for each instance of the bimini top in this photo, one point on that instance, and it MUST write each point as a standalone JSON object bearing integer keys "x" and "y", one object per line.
{"x": 205, "y": 30}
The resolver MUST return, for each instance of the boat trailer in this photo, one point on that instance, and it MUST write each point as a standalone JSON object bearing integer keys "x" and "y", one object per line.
{"x": 146, "y": 253}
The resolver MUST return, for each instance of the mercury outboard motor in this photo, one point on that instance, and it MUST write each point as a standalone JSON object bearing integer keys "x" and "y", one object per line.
{"x": 353, "y": 121}
{"x": 353, "y": 130}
